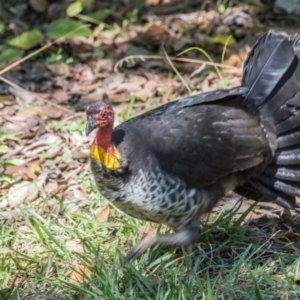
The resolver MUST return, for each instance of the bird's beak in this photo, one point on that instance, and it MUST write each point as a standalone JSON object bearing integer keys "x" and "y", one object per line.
{"x": 90, "y": 125}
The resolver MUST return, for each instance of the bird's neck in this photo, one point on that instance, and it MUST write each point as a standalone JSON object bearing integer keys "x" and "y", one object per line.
{"x": 103, "y": 151}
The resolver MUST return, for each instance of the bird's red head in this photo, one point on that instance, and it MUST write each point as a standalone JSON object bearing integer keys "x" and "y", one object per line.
{"x": 99, "y": 115}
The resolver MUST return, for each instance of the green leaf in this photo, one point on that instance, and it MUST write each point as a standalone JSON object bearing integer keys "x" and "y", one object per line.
{"x": 10, "y": 54}
{"x": 68, "y": 28}
{"x": 3, "y": 148}
{"x": 2, "y": 28}
{"x": 74, "y": 9}
{"x": 221, "y": 8}
{"x": 27, "y": 39}
{"x": 99, "y": 14}
{"x": 14, "y": 161}
{"x": 223, "y": 39}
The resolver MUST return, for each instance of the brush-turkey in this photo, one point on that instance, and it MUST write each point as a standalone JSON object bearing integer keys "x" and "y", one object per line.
{"x": 174, "y": 163}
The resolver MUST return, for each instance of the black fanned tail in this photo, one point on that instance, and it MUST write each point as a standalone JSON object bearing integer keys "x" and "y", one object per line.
{"x": 272, "y": 74}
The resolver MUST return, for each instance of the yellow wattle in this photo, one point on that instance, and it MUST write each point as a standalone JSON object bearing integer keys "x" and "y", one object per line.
{"x": 110, "y": 161}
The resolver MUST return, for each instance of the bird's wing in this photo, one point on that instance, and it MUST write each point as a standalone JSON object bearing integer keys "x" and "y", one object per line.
{"x": 199, "y": 143}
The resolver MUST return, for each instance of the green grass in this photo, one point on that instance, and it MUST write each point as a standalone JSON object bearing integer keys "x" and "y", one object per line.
{"x": 230, "y": 261}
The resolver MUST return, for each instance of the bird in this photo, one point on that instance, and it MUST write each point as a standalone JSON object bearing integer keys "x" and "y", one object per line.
{"x": 172, "y": 164}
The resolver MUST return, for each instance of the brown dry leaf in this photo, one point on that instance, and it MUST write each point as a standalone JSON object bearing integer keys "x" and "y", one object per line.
{"x": 104, "y": 65}
{"x": 87, "y": 75}
{"x": 60, "y": 69}
{"x": 81, "y": 274}
{"x": 143, "y": 95}
{"x": 263, "y": 220}
{"x": 54, "y": 152}
{"x": 103, "y": 214}
{"x": 10, "y": 170}
{"x": 20, "y": 193}
{"x": 290, "y": 234}
{"x": 234, "y": 72}
{"x": 39, "y": 6}
{"x": 61, "y": 187}
{"x": 75, "y": 246}
{"x": 83, "y": 88}
{"x": 25, "y": 96}
{"x": 152, "y": 2}
{"x": 26, "y": 174}
{"x": 11, "y": 214}
{"x": 78, "y": 192}
{"x": 61, "y": 96}
{"x": 52, "y": 112}
{"x": 7, "y": 111}
{"x": 33, "y": 111}
{"x": 226, "y": 251}
{"x": 5, "y": 291}
{"x": 155, "y": 35}
{"x": 80, "y": 154}
{"x": 72, "y": 209}
{"x": 6, "y": 99}
{"x": 283, "y": 277}
{"x": 118, "y": 98}
{"x": 287, "y": 218}
{"x": 145, "y": 230}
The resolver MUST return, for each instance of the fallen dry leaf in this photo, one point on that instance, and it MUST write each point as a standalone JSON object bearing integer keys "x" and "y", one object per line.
{"x": 226, "y": 251}
{"x": 52, "y": 112}
{"x": 39, "y": 6}
{"x": 33, "y": 111}
{"x": 154, "y": 35}
{"x": 61, "y": 96}
{"x": 20, "y": 193}
{"x": 233, "y": 60}
{"x": 26, "y": 174}
{"x": 60, "y": 69}
{"x": 74, "y": 246}
{"x": 80, "y": 154}
{"x": 145, "y": 230}
{"x": 81, "y": 274}
{"x": 290, "y": 234}
{"x": 25, "y": 96}
{"x": 103, "y": 213}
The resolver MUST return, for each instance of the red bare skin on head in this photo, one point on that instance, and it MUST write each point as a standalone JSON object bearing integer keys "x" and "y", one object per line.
{"x": 103, "y": 115}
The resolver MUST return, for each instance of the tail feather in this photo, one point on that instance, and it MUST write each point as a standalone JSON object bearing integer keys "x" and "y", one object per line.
{"x": 289, "y": 108}
{"x": 289, "y": 156}
{"x": 270, "y": 61}
{"x": 295, "y": 42}
{"x": 289, "y": 123}
{"x": 295, "y": 100}
{"x": 289, "y": 174}
{"x": 287, "y": 187}
{"x": 272, "y": 74}
{"x": 277, "y": 197}
{"x": 289, "y": 139}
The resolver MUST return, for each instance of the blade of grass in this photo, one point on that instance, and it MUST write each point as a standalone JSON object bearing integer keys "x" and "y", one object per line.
{"x": 223, "y": 83}
{"x": 177, "y": 72}
{"x": 224, "y": 49}
{"x": 240, "y": 220}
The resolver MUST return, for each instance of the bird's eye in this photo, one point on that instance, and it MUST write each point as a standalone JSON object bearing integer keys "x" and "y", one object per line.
{"x": 104, "y": 114}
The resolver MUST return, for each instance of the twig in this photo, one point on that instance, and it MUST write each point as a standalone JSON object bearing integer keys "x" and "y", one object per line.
{"x": 36, "y": 96}
{"x": 143, "y": 58}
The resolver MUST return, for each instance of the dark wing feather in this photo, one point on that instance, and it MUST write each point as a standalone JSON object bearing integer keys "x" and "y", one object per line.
{"x": 200, "y": 143}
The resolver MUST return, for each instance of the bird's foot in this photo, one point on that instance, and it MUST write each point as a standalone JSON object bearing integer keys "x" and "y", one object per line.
{"x": 186, "y": 237}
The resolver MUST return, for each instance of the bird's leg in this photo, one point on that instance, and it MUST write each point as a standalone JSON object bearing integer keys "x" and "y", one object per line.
{"x": 185, "y": 237}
